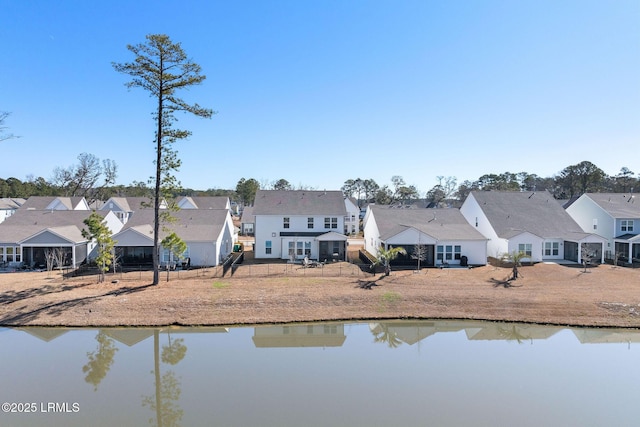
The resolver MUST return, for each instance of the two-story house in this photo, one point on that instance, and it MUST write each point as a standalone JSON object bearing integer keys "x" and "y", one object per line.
{"x": 614, "y": 216}
{"x": 293, "y": 224}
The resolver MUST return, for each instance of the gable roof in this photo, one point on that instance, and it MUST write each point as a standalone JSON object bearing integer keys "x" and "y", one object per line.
{"x": 299, "y": 202}
{"x": 441, "y": 224}
{"x": 24, "y": 224}
{"x": 247, "y": 215}
{"x": 48, "y": 202}
{"x": 204, "y": 202}
{"x": 618, "y": 205}
{"x": 70, "y": 233}
{"x": 191, "y": 225}
{"x": 512, "y": 212}
{"x": 9, "y": 203}
{"x": 129, "y": 204}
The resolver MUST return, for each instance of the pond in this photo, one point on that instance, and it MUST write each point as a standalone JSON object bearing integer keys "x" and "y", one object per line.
{"x": 397, "y": 373}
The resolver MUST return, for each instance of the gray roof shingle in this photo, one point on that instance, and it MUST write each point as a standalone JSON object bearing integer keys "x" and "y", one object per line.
{"x": 511, "y": 213}
{"x": 207, "y": 202}
{"x": 191, "y": 225}
{"x": 618, "y": 205}
{"x": 42, "y": 202}
{"x": 299, "y": 202}
{"x": 441, "y": 224}
{"x": 26, "y": 223}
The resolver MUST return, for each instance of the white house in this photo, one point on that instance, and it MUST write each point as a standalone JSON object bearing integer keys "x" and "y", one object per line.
{"x": 615, "y": 217}
{"x": 529, "y": 222}
{"x": 352, "y": 219}
{"x": 247, "y": 221}
{"x": 443, "y": 235}
{"x": 209, "y": 235}
{"x": 124, "y": 207}
{"x": 8, "y": 206}
{"x": 27, "y": 235}
{"x": 292, "y": 224}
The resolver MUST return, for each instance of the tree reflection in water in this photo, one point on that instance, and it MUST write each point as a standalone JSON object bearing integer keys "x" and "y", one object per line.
{"x": 167, "y": 393}
{"x": 382, "y": 334}
{"x": 512, "y": 333}
{"x": 100, "y": 361}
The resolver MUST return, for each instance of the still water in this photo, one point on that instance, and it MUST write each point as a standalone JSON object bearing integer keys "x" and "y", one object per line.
{"x": 440, "y": 373}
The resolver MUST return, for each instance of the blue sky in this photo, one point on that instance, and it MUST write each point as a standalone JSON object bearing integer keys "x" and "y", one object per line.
{"x": 318, "y": 92}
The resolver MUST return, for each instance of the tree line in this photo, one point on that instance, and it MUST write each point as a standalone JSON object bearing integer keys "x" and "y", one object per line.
{"x": 93, "y": 178}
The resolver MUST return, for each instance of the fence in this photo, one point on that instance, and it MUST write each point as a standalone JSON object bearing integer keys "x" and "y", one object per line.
{"x": 234, "y": 270}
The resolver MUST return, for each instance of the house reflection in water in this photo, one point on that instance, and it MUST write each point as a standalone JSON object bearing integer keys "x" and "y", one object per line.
{"x": 311, "y": 335}
{"x": 602, "y": 336}
{"x": 396, "y": 332}
{"x": 393, "y": 333}
{"x": 519, "y": 332}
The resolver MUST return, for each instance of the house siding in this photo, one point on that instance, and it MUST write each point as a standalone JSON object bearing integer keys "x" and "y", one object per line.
{"x": 474, "y": 215}
{"x": 585, "y": 211}
{"x": 270, "y": 227}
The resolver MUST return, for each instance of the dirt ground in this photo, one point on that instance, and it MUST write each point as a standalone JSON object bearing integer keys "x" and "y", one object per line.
{"x": 280, "y": 293}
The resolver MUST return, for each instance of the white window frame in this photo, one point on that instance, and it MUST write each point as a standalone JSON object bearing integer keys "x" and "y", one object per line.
{"x": 526, "y": 248}
{"x": 551, "y": 249}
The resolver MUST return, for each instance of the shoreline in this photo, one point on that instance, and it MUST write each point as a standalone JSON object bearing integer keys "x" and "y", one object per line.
{"x": 546, "y": 294}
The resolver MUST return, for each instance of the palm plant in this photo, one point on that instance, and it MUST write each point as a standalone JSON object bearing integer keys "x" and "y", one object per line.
{"x": 385, "y": 256}
{"x": 515, "y": 258}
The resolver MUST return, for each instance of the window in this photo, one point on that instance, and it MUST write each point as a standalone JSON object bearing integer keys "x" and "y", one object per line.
{"x": 526, "y": 248}
{"x": 595, "y": 223}
{"x": 292, "y": 248}
{"x": 299, "y": 251}
{"x": 267, "y": 247}
{"x": 330, "y": 329}
{"x": 1, "y": 253}
{"x": 551, "y": 248}
{"x": 307, "y": 249}
{"x": 309, "y": 222}
{"x": 9, "y": 253}
{"x": 330, "y": 222}
{"x": 448, "y": 252}
{"x": 626, "y": 225}
{"x": 285, "y": 223}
